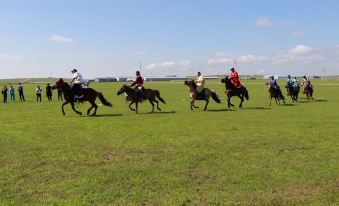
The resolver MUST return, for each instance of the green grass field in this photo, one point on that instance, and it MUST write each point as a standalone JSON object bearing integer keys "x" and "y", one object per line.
{"x": 258, "y": 155}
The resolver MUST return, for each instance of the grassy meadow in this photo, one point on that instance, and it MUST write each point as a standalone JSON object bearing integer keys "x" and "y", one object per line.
{"x": 257, "y": 155}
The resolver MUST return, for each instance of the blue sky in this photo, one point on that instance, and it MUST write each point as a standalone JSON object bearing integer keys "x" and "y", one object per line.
{"x": 109, "y": 38}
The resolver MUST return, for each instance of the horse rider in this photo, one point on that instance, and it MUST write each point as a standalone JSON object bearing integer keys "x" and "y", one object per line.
{"x": 200, "y": 82}
{"x": 76, "y": 84}
{"x": 138, "y": 85}
{"x": 307, "y": 83}
{"x": 292, "y": 82}
{"x": 297, "y": 81}
{"x": 275, "y": 85}
{"x": 235, "y": 80}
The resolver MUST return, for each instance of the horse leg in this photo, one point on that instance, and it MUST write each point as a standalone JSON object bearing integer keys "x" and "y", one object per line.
{"x": 62, "y": 107}
{"x": 89, "y": 110}
{"x": 192, "y": 104}
{"x": 72, "y": 104}
{"x": 95, "y": 109}
{"x": 157, "y": 105}
{"x": 241, "y": 100}
{"x": 151, "y": 101}
{"x": 207, "y": 101}
{"x": 229, "y": 101}
{"x": 130, "y": 106}
{"x": 136, "y": 107}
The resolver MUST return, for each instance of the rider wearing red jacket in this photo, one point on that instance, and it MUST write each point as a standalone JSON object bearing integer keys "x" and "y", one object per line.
{"x": 139, "y": 84}
{"x": 235, "y": 78}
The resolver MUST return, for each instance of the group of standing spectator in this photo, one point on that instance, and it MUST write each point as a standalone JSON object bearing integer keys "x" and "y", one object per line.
{"x": 20, "y": 89}
{"x": 4, "y": 92}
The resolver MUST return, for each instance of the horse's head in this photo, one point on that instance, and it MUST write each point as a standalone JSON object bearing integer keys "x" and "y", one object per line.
{"x": 190, "y": 83}
{"x": 58, "y": 83}
{"x": 226, "y": 79}
{"x": 122, "y": 89}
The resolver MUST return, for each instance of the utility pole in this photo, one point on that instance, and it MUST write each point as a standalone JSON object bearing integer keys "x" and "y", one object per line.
{"x": 324, "y": 73}
{"x": 140, "y": 66}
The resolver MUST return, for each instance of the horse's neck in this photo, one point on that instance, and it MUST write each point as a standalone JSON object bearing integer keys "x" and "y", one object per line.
{"x": 192, "y": 89}
{"x": 229, "y": 85}
{"x": 65, "y": 87}
{"x": 129, "y": 90}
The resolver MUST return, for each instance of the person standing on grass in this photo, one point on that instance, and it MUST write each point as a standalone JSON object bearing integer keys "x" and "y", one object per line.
{"x": 4, "y": 93}
{"x": 11, "y": 93}
{"x": 49, "y": 92}
{"x": 38, "y": 92}
{"x": 21, "y": 92}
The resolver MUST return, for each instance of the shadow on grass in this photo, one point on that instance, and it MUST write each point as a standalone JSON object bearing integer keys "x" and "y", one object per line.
{"x": 321, "y": 100}
{"x": 103, "y": 115}
{"x": 169, "y": 112}
{"x": 221, "y": 110}
{"x": 287, "y": 105}
{"x": 256, "y": 108}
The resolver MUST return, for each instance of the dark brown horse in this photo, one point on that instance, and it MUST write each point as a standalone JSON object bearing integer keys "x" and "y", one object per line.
{"x": 293, "y": 91}
{"x": 275, "y": 93}
{"x": 207, "y": 93}
{"x": 135, "y": 97}
{"x": 308, "y": 90}
{"x": 89, "y": 94}
{"x": 231, "y": 91}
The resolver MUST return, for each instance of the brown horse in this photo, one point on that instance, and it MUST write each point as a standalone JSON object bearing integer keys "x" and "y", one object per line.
{"x": 206, "y": 94}
{"x": 89, "y": 94}
{"x": 276, "y": 94}
{"x": 293, "y": 92}
{"x": 231, "y": 90}
{"x": 135, "y": 97}
{"x": 308, "y": 90}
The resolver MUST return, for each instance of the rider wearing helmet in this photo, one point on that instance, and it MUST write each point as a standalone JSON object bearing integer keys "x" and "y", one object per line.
{"x": 200, "y": 81}
{"x": 235, "y": 78}
{"x": 292, "y": 82}
{"x": 307, "y": 83}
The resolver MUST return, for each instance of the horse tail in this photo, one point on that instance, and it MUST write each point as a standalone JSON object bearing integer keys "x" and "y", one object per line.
{"x": 103, "y": 100}
{"x": 246, "y": 93}
{"x": 157, "y": 93}
{"x": 215, "y": 97}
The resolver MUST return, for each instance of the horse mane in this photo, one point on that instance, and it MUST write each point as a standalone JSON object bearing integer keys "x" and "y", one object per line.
{"x": 228, "y": 83}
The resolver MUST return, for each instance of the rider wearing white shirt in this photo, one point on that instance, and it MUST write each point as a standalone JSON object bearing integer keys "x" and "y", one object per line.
{"x": 76, "y": 83}
{"x": 200, "y": 82}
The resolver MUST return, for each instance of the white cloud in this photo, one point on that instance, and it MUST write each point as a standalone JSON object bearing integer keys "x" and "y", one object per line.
{"x": 137, "y": 53}
{"x": 161, "y": 65}
{"x": 288, "y": 24}
{"x": 300, "y": 49}
{"x": 59, "y": 38}
{"x": 9, "y": 57}
{"x": 297, "y": 35}
{"x": 263, "y": 22}
{"x": 221, "y": 58}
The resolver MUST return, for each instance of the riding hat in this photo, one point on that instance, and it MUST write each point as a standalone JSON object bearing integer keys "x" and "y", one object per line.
{"x": 74, "y": 70}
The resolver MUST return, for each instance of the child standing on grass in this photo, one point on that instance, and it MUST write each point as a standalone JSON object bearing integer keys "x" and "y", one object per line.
{"x": 4, "y": 93}
{"x": 11, "y": 93}
{"x": 38, "y": 92}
